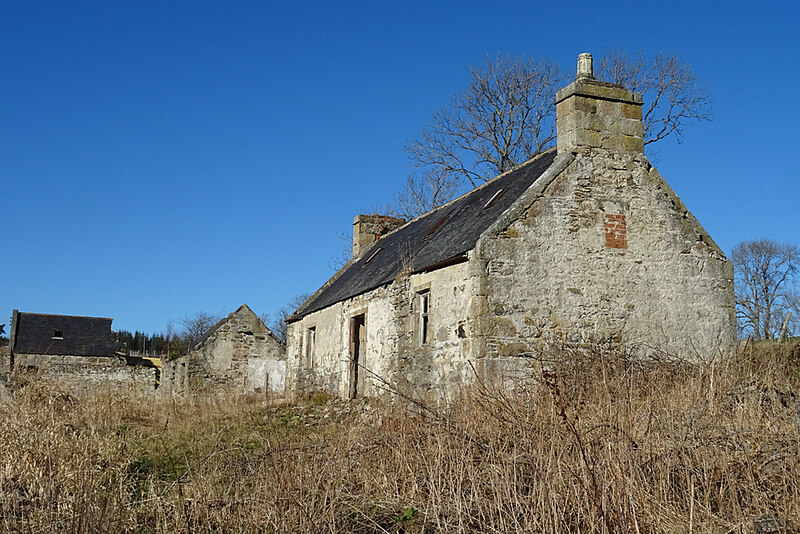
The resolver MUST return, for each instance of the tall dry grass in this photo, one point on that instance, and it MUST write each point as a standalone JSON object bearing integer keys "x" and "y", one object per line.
{"x": 591, "y": 444}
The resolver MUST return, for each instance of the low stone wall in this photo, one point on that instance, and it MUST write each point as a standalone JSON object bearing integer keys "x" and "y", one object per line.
{"x": 88, "y": 375}
{"x": 193, "y": 374}
{"x": 5, "y": 360}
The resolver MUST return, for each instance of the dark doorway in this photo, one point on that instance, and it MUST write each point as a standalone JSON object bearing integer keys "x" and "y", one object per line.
{"x": 358, "y": 338}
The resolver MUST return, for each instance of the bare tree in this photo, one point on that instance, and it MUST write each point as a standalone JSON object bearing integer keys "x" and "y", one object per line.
{"x": 422, "y": 193}
{"x": 507, "y": 115}
{"x": 766, "y": 286}
{"x": 504, "y": 117}
{"x": 345, "y": 253}
{"x": 195, "y": 326}
{"x": 671, "y": 93}
{"x": 276, "y": 321}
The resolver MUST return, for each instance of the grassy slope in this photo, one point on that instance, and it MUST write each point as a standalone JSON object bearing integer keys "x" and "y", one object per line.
{"x": 594, "y": 445}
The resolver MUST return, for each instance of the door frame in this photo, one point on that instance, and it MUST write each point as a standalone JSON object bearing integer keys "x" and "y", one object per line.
{"x": 356, "y": 352}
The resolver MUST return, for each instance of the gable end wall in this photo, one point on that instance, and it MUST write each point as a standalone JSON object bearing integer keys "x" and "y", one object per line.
{"x": 606, "y": 254}
{"x": 240, "y": 356}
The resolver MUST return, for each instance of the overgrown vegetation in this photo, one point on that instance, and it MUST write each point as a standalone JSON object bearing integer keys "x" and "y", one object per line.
{"x": 585, "y": 444}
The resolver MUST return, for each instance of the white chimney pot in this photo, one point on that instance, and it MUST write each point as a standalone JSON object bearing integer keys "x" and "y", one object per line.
{"x": 585, "y": 66}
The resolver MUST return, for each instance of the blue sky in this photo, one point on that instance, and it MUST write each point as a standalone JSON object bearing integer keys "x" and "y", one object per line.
{"x": 163, "y": 158}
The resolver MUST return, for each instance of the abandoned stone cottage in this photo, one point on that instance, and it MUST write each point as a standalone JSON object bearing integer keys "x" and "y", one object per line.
{"x": 583, "y": 244}
{"x": 239, "y": 354}
{"x": 77, "y": 351}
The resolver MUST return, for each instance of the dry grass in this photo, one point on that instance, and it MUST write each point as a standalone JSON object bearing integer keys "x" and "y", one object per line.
{"x": 593, "y": 445}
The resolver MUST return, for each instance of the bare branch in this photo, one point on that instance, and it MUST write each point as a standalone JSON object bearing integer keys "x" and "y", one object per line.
{"x": 766, "y": 286}
{"x": 276, "y": 321}
{"x": 672, "y": 95}
{"x": 507, "y": 115}
{"x": 193, "y": 327}
{"x": 425, "y": 192}
{"x": 502, "y": 119}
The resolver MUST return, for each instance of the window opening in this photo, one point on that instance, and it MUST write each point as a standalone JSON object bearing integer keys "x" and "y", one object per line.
{"x": 58, "y": 334}
{"x": 423, "y": 306}
{"x": 311, "y": 341}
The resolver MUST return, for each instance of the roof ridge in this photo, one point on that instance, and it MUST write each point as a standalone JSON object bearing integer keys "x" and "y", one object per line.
{"x": 422, "y": 243}
{"x": 478, "y": 188}
{"x": 63, "y": 315}
{"x": 453, "y": 200}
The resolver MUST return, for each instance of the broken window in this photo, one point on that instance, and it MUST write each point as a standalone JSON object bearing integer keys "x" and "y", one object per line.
{"x": 311, "y": 341}
{"x": 423, "y": 306}
{"x": 58, "y": 334}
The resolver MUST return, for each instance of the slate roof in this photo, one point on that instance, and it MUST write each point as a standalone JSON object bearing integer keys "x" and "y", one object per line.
{"x": 436, "y": 238}
{"x": 35, "y": 333}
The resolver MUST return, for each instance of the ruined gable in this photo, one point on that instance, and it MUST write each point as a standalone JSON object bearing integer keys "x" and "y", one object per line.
{"x": 239, "y": 354}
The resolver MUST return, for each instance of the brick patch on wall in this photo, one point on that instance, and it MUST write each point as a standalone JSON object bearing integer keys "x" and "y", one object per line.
{"x": 616, "y": 231}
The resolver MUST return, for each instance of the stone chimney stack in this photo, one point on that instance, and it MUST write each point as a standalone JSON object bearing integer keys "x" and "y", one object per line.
{"x": 595, "y": 114}
{"x": 368, "y": 229}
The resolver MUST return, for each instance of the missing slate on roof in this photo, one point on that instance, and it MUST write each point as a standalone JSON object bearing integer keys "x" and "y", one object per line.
{"x": 494, "y": 198}
{"x": 372, "y": 255}
{"x": 412, "y": 248}
{"x": 437, "y": 225}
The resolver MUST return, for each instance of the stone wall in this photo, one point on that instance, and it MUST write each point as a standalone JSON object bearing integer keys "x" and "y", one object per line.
{"x": 606, "y": 254}
{"x": 5, "y": 359}
{"x": 88, "y": 375}
{"x": 395, "y": 357}
{"x": 326, "y": 367}
{"x": 241, "y": 355}
{"x": 433, "y": 370}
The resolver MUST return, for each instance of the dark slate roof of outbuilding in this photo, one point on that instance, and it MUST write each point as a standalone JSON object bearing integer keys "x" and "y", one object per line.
{"x": 81, "y": 336}
{"x": 432, "y": 239}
